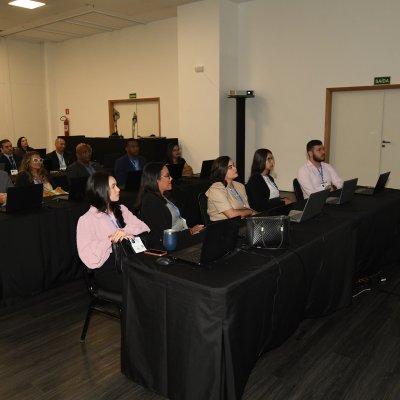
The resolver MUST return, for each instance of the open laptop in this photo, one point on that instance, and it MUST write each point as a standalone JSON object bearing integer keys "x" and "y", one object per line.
{"x": 175, "y": 170}
{"x": 133, "y": 179}
{"x": 346, "y": 193}
{"x": 313, "y": 207}
{"x": 24, "y": 198}
{"x": 379, "y": 187}
{"x": 206, "y": 169}
{"x": 219, "y": 240}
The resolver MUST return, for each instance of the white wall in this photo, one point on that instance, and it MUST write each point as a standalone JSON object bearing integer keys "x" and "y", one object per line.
{"x": 288, "y": 51}
{"x": 229, "y": 48}
{"x": 22, "y": 92}
{"x": 198, "y": 44}
{"x": 83, "y": 74}
{"x": 291, "y": 51}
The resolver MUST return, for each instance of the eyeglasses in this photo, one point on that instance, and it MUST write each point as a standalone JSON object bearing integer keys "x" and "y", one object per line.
{"x": 37, "y": 160}
{"x": 168, "y": 176}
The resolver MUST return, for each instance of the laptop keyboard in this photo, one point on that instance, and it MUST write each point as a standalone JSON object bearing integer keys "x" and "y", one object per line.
{"x": 295, "y": 215}
{"x": 364, "y": 190}
{"x": 332, "y": 200}
{"x": 193, "y": 255}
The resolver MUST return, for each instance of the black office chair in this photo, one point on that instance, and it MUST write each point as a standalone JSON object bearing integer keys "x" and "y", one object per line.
{"x": 102, "y": 299}
{"x": 202, "y": 200}
{"x": 297, "y": 190}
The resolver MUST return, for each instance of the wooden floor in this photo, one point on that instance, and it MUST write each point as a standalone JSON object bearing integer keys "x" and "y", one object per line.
{"x": 351, "y": 354}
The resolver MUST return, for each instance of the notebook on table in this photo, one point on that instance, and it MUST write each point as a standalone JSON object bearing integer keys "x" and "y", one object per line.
{"x": 313, "y": 207}
{"x": 346, "y": 193}
{"x": 24, "y": 198}
{"x": 219, "y": 240}
{"x": 379, "y": 187}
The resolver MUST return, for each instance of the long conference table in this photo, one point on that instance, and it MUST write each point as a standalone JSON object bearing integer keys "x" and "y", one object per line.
{"x": 38, "y": 247}
{"x": 196, "y": 332}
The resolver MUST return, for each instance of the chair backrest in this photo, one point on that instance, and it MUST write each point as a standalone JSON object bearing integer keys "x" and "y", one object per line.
{"x": 297, "y": 190}
{"x": 203, "y": 200}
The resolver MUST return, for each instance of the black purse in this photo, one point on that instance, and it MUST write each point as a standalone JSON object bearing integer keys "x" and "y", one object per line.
{"x": 268, "y": 232}
{"x": 119, "y": 250}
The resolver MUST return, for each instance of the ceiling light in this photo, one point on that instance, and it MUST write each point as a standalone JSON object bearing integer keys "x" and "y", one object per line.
{"x": 27, "y": 4}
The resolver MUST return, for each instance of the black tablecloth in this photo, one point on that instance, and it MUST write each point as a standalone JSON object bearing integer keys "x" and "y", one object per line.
{"x": 38, "y": 250}
{"x": 196, "y": 333}
{"x": 39, "y": 247}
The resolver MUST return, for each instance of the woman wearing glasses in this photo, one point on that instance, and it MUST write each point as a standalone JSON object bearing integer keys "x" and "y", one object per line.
{"x": 31, "y": 171}
{"x": 156, "y": 208}
{"x": 261, "y": 188}
{"x": 226, "y": 198}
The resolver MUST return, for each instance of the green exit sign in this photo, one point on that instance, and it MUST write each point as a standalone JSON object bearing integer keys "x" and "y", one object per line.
{"x": 382, "y": 80}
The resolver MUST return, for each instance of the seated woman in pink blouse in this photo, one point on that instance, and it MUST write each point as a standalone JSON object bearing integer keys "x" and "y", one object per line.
{"x": 106, "y": 221}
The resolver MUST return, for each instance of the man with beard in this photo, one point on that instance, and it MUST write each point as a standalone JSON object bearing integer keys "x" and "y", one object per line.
{"x": 316, "y": 175}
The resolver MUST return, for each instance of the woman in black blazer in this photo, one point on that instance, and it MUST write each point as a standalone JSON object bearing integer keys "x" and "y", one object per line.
{"x": 262, "y": 191}
{"x": 156, "y": 208}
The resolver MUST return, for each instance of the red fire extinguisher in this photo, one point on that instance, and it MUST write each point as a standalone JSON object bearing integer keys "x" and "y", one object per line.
{"x": 66, "y": 124}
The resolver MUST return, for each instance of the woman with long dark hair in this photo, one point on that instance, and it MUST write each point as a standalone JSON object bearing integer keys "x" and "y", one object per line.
{"x": 156, "y": 208}
{"x": 174, "y": 156}
{"x": 262, "y": 191}
{"x": 22, "y": 147}
{"x": 226, "y": 198}
{"x": 106, "y": 222}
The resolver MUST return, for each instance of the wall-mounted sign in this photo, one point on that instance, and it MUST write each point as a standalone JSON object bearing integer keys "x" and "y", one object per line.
{"x": 382, "y": 80}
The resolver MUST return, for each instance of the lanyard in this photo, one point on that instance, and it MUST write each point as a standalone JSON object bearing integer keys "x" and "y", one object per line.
{"x": 135, "y": 164}
{"x": 271, "y": 181}
{"x": 178, "y": 213}
{"x": 321, "y": 174}
{"x": 236, "y": 194}
{"x": 113, "y": 220}
{"x": 12, "y": 162}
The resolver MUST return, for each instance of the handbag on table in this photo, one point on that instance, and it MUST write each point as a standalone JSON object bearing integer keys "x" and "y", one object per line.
{"x": 268, "y": 232}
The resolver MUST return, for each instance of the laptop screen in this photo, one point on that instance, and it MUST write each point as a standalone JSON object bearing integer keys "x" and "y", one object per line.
{"x": 24, "y": 197}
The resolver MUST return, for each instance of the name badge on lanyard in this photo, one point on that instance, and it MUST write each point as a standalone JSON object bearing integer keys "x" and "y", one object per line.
{"x": 324, "y": 184}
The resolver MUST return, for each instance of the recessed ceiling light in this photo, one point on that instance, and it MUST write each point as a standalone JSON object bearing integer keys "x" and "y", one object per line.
{"x": 27, "y": 4}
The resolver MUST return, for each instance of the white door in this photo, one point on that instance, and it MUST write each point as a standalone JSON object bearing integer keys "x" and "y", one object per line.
{"x": 390, "y": 145}
{"x": 355, "y": 140}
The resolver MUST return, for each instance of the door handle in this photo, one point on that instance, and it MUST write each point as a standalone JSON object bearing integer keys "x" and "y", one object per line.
{"x": 386, "y": 141}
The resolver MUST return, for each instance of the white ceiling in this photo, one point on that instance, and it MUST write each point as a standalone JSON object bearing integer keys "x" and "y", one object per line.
{"x": 66, "y": 19}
